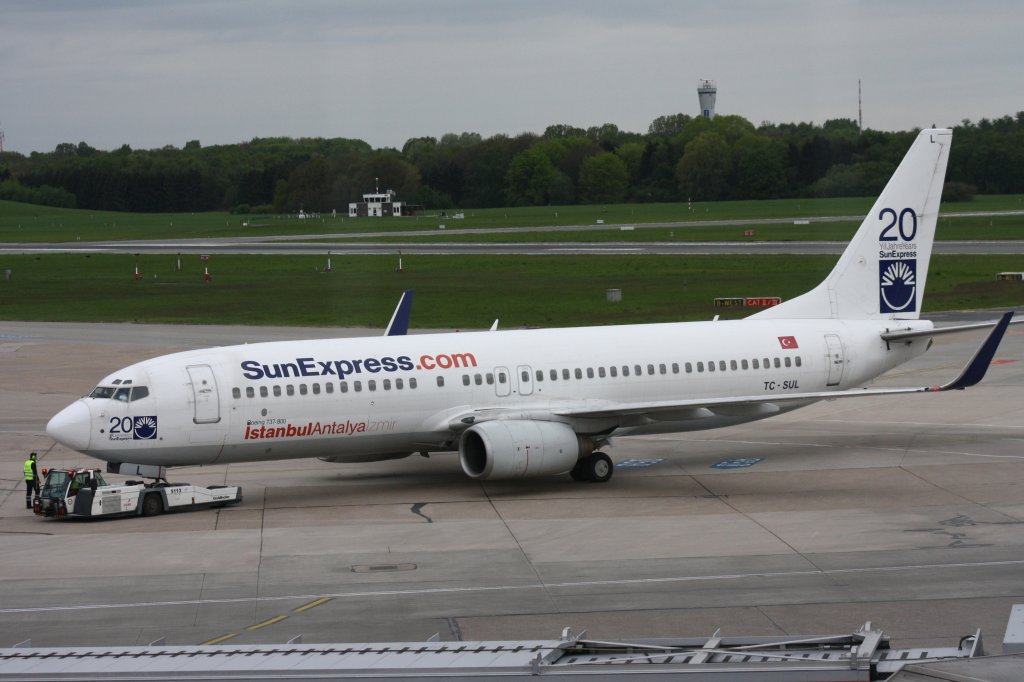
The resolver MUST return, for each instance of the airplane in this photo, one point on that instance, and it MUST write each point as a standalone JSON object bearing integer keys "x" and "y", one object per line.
{"x": 539, "y": 402}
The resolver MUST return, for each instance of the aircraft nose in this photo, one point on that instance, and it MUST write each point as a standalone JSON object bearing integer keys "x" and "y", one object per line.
{"x": 72, "y": 426}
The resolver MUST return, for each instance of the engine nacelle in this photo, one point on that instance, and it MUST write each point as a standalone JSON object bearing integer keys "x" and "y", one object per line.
{"x": 518, "y": 448}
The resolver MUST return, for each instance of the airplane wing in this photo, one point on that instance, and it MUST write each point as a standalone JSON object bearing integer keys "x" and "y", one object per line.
{"x": 757, "y": 405}
{"x": 599, "y": 412}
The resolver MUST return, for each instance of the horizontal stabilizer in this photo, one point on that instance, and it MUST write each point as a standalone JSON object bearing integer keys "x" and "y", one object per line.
{"x": 908, "y": 334}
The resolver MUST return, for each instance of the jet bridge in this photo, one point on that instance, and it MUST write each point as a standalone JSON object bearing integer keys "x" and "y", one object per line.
{"x": 864, "y": 655}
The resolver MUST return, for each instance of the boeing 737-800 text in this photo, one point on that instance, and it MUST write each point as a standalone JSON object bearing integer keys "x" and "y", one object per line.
{"x": 539, "y": 402}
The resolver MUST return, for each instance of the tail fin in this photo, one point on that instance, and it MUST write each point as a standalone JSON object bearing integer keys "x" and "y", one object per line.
{"x": 882, "y": 273}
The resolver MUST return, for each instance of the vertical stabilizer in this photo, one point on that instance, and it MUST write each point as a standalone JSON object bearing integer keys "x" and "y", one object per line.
{"x": 882, "y": 273}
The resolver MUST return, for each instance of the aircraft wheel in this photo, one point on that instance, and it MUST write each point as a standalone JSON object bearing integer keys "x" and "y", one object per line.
{"x": 597, "y": 468}
{"x": 152, "y": 505}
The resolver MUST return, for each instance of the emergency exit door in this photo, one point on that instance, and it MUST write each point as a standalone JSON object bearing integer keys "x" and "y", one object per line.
{"x": 204, "y": 393}
{"x": 834, "y": 359}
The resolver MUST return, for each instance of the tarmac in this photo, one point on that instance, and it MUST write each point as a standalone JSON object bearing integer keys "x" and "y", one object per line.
{"x": 906, "y": 510}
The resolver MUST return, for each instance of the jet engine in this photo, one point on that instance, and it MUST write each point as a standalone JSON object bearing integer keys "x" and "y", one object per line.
{"x": 518, "y": 448}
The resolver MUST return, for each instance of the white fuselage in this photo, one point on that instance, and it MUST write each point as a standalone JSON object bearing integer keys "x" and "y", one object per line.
{"x": 351, "y": 400}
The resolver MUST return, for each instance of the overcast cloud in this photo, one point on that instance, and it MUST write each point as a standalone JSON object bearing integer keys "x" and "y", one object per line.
{"x": 110, "y": 72}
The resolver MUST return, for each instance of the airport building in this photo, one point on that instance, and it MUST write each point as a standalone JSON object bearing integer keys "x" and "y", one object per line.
{"x": 379, "y": 204}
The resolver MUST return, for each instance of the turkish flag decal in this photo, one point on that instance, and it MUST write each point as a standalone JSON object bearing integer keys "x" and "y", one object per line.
{"x": 788, "y": 342}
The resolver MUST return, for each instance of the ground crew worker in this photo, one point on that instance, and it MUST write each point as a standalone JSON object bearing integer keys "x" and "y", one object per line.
{"x": 31, "y": 480}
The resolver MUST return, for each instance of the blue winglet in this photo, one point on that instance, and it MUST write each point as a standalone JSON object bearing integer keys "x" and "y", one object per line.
{"x": 976, "y": 368}
{"x": 399, "y": 324}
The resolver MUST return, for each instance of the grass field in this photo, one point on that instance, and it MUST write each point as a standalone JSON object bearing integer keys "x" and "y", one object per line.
{"x": 451, "y": 291}
{"x": 21, "y": 223}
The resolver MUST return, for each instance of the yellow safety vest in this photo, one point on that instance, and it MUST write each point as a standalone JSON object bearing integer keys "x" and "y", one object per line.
{"x": 29, "y": 471}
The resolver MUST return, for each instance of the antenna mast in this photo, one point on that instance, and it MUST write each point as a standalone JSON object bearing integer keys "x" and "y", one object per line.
{"x": 860, "y": 111}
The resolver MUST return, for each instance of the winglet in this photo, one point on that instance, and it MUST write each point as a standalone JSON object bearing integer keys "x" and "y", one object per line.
{"x": 976, "y": 368}
{"x": 399, "y": 324}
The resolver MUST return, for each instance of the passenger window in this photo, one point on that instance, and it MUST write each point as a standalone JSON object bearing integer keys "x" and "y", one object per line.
{"x": 756, "y": 364}
{"x": 613, "y": 370}
{"x": 277, "y": 391}
{"x": 386, "y": 384}
{"x": 465, "y": 380}
{"x": 638, "y": 370}
{"x": 371, "y": 385}
{"x": 744, "y": 365}
{"x": 329, "y": 387}
{"x": 625, "y": 370}
{"x": 236, "y": 393}
{"x": 767, "y": 363}
{"x": 502, "y": 378}
{"x": 787, "y": 361}
{"x": 264, "y": 392}
{"x": 249, "y": 392}
{"x": 478, "y": 379}
{"x": 675, "y": 368}
{"x": 412, "y": 382}
{"x": 711, "y": 366}
{"x": 139, "y": 392}
{"x": 579, "y": 373}
{"x": 399, "y": 385}
{"x": 540, "y": 375}
{"x": 732, "y": 364}
{"x": 721, "y": 365}
{"x": 798, "y": 361}
{"x": 553, "y": 374}
{"x": 777, "y": 363}
{"x": 600, "y": 372}
{"x": 661, "y": 369}
{"x": 489, "y": 378}
{"x": 700, "y": 366}
{"x": 565, "y": 374}
{"x": 525, "y": 377}
{"x": 440, "y": 382}
{"x": 303, "y": 389}
{"x": 316, "y": 389}
{"x": 590, "y": 372}
{"x": 343, "y": 386}
{"x": 689, "y": 368}
{"x": 357, "y": 386}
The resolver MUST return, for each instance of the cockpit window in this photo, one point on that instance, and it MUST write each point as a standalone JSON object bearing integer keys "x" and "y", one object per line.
{"x": 102, "y": 392}
{"x": 139, "y": 392}
{"x": 123, "y": 394}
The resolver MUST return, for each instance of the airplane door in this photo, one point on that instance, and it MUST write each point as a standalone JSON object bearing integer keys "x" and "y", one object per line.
{"x": 525, "y": 379}
{"x": 834, "y": 359}
{"x": 204, "y": 391}
{"x": 502, "y": 381}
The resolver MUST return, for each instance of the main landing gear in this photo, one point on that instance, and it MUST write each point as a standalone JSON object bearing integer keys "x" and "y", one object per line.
{"x": 596, "y": 468}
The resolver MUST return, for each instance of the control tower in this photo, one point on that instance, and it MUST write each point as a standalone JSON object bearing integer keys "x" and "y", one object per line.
{"x": 706, "y": 91}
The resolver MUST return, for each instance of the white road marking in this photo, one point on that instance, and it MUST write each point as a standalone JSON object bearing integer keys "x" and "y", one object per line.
{"x": 511, "y": 588}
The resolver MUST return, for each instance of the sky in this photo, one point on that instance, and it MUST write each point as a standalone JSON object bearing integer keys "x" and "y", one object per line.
{"x": 150, "y": 74}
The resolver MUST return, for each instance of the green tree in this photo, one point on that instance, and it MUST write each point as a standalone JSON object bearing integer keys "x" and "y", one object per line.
{"x": 604, "y": 179}
{"x": 703, "y": 172}
{"x": 529, "y": 178}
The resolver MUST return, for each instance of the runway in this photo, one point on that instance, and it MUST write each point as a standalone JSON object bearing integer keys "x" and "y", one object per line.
{"x": 907, "y": 511}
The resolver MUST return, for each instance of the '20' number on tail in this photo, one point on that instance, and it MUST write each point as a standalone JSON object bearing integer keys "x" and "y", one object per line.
{"x": 906, "y": 227}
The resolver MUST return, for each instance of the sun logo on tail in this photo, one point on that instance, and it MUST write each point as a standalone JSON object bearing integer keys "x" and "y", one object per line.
{"x": 897, "y": 286}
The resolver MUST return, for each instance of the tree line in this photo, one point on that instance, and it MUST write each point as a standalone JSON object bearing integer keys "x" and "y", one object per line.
{"x": 679, "y": 158}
